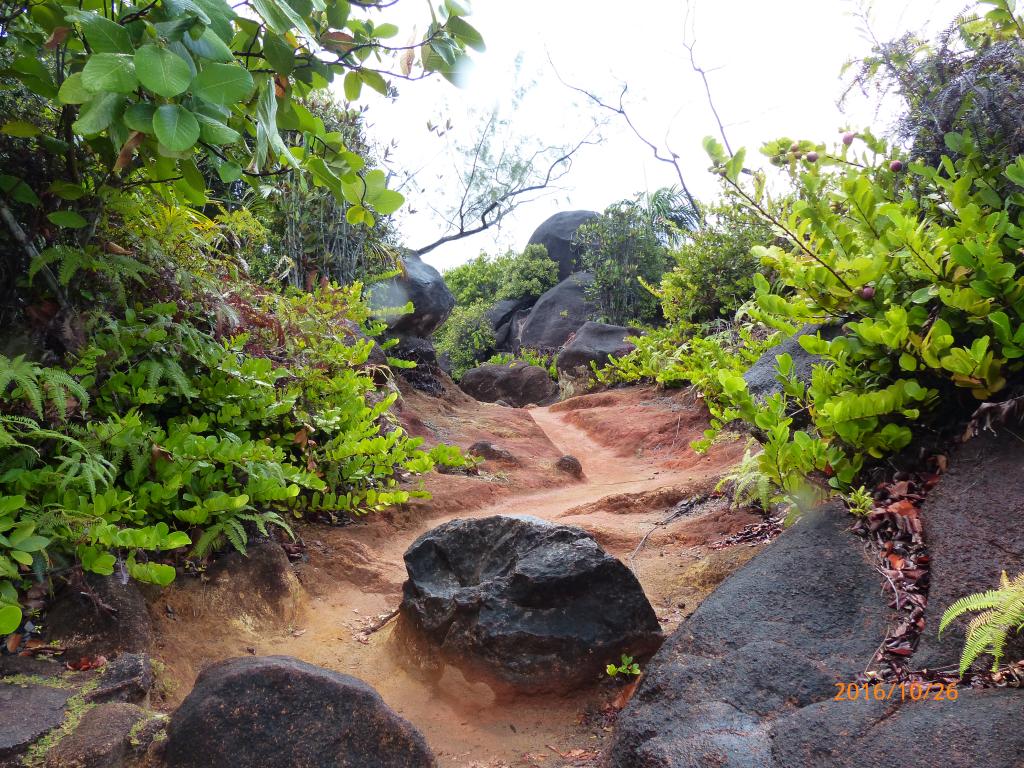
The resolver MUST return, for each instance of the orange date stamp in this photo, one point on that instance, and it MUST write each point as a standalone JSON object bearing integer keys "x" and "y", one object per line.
{"x": 914, "y": 691}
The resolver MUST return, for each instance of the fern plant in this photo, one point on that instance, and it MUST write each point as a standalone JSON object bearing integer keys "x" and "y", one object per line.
{"x": 749, "y": 485}
{"x": 1001, "y": 611}
{"x": 36, "y": 384}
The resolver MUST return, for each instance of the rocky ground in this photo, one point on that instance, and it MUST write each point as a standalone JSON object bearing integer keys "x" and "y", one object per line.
{"x": 747, "y": 676}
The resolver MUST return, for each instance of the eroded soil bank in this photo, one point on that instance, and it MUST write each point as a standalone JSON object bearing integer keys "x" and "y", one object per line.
{"x": 633, "y": 445}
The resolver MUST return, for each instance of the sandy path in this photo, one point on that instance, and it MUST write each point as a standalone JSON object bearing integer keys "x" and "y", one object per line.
{"x": 462, "y": 722}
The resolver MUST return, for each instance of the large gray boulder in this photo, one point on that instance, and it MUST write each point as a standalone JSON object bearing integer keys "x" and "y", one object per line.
{"x": 556, "y": 234}
{"x": 805, "y": 613}
{"x": 279, "y": 712}
{"x": 761, "y": 376}
{"x": 558, "y": 314}
{"x": 421, "y": 284}
{"x": 506, "y": 318}
{"x": 594, "y": 343}
{"x": 517, "y": 384}
{"x": 522, "y": 603}
{"x": 974, "y": 524}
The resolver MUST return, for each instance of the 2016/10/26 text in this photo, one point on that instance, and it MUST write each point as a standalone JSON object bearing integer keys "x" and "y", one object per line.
{"x": 915, "y": 691}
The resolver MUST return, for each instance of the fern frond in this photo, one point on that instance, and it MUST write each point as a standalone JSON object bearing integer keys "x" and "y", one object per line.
{"x": 235, "y": 533}
{"x": 1001, "y": 611}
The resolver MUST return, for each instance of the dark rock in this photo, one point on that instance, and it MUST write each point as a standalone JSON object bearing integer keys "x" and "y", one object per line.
{"x": 973, "y": 524}
{"x": 29, "y": 666}
{"x": 103, "y": 739}
{"x": 262, "y": 579}
{"x": 593, "y": 343}
{"x": 279, "y": 712}
{"x": 506, "y": 318}
{"x": 556, "y": 234}
{"x": 803, "y": 614}
{"x": 982, "y": 727}
{"x": 492, "y": 452}
{"x": 570, "y": 465}
{"x": 760, "y": 377}
{"x": 428, "y": 375}
{"x": 128, "y": 678}
{"x": 522, "y": 604}
{"x": 114, "y": 619}
{"x": 29, "y": 713}
{"x": 558, "y": 313}
{"x": 518, "y": 384}
{"x": 421, "y": 284}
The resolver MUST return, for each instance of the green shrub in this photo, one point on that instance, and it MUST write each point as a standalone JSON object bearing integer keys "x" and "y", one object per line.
{"x": 466, "y": 337}
{"x": 626, "y": 253}
{"x": 512, "y": 275}
{"x": 714, "y": 271}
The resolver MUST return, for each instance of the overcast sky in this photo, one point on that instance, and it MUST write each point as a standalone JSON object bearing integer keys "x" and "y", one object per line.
{"x": 775, "y": 70}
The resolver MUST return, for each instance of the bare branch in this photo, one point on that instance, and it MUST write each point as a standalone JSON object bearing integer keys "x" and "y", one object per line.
{"x": 690, "y": 44}
{"x": 507, "y": 201}
{"x": 671, "y": 158}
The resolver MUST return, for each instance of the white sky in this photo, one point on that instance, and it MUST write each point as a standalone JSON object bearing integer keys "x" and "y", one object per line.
{"x": 776, "y": 72}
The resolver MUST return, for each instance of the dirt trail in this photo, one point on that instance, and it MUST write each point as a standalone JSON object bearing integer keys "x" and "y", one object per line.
{"x": 354, "y": 575}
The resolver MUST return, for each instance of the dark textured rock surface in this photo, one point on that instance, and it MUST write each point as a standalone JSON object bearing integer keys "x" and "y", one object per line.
{"x": 980, "y": 728}
{"x": 279, "y": 712}
{"x": 120, "y": 621}
{"x": 556, "y": 235}
{"x": 517, "y": 384}
{"x": 29, "y": 712}
{"x": 428, "y": 375}
{"x": 558, "y": 313}
{"x": 522, "y": 603}
{"x": 974, "y": 525}
{"x": 102, "y": 739}
{"x": 425, "y": 288}
{"x": 506, "y": 318}
{"x": 570, "y": 465}
{"x": 777, "y": 635}
{"x": 593, "y": 343}
{"x": 128, "y": 678}
{"x": 760, "y": 377}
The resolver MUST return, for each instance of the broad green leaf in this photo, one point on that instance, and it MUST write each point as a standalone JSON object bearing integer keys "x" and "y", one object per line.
{"x": 465, "y": 32}
{"x": 223, "y": 84}
{"x": 35, "y": 543}
{"x": 110, "y": 72}
{"x": 385, "y": 31}
{"x": 98, "y": 114}
{"x": 102, "y": 34}
{"x": 10, "y": 619}
{"x": 278, "y": 53}
{"x": 375, "y": 81}
{"x": 176, "y": 127}
{"x": 229, "y": 172}
{"x": 139, "y": 117}
{"x": 353, "y": 86}
{"x": 21, "y": 192}
{"x": 209, "y": 46}
{"x": 273, "y": 15}
{"x": 66, "y": 190}
{"x": 388, "y": 201}
{"x": 215, "y": 132}
{"x": 73, "y": 90}
{"x": 22, "y": 129}
{"x": 162, "y": 72}
{"x": 67, "y": 220}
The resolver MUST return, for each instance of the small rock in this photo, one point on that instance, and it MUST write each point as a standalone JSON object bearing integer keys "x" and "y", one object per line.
{"x": 103, "y": 738}
{"x": 128, "y": 678}
{"x": 29, "y": 712}
{"x": 570, "y": 465}
{"x": 279, "y": 712}
{"x": 114, "y": 619}
{"x": 492, "y": 452}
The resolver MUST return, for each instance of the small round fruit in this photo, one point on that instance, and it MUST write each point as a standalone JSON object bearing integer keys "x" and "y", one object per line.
{"x": 794, "y": 147}
{"x": 812, "y": 157}
{"x": 867, "y": 292}
{"x": 896, "y": 166}
{"x": 848, "y": 138}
